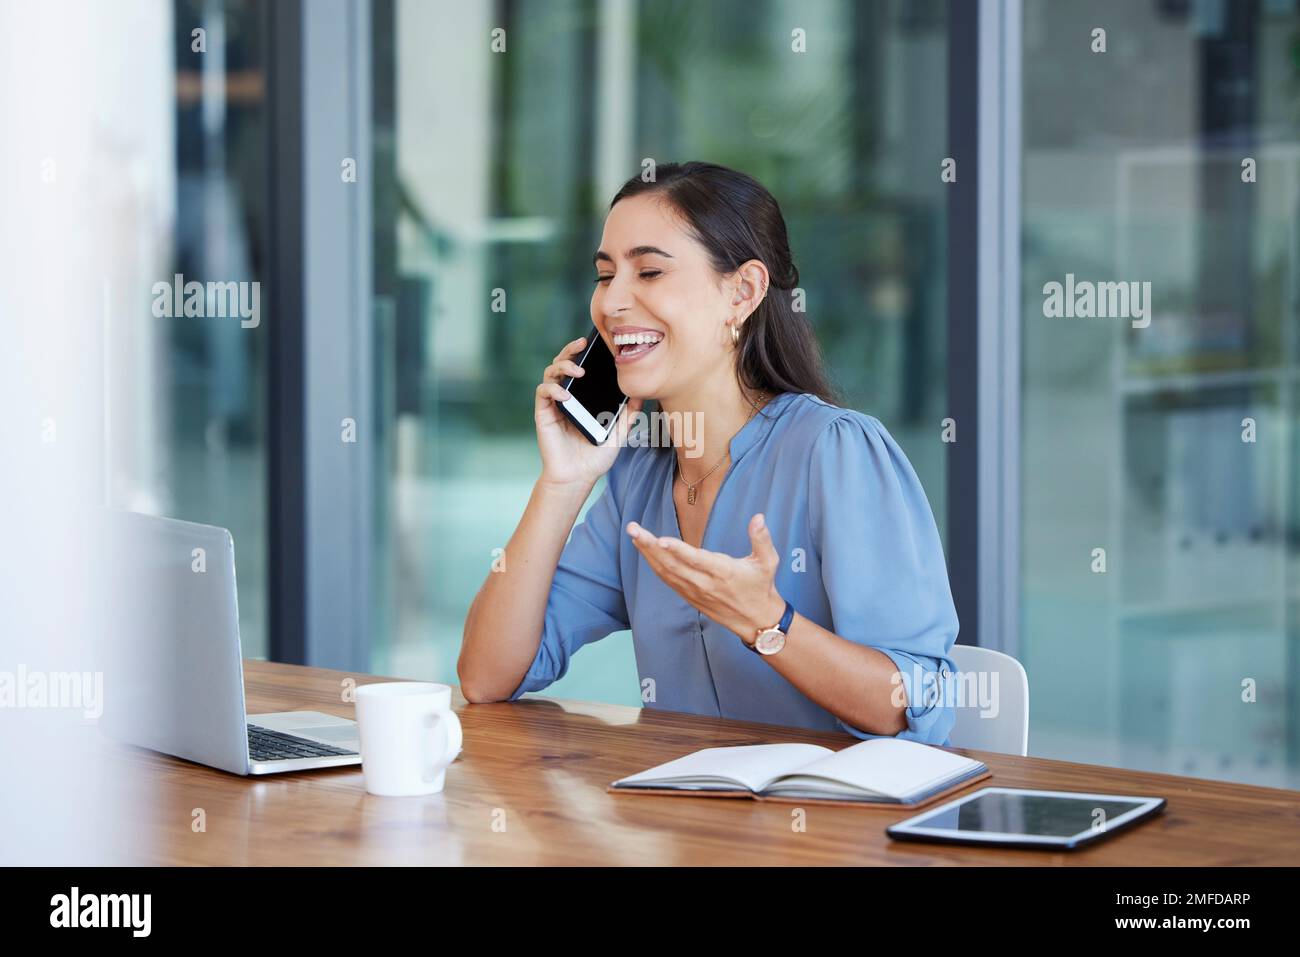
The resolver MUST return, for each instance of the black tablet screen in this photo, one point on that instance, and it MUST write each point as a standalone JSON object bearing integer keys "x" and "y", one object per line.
{"x": 1034, "y": 814}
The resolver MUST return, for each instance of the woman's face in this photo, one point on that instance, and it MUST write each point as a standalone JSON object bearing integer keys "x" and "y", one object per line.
{"x": 658, "y": 303}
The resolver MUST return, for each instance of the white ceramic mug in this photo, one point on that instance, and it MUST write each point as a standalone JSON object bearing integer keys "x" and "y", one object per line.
{"x": 409, "y": 735}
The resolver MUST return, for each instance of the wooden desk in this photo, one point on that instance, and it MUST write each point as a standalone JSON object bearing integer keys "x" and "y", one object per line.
{"x": 541, "y": 766}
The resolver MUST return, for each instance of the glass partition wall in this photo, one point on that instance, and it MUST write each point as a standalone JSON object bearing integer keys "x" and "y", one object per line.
{"x": 1159, "y": 446}
{"x": 184, "y": 387}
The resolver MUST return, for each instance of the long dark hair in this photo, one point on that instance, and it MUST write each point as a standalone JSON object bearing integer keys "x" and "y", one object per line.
{"x": 736, "y": 219}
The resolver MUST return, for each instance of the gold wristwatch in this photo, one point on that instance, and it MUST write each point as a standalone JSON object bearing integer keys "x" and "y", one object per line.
{"x": 771, "y": 640}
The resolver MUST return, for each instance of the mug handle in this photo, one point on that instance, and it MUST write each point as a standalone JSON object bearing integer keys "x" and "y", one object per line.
{"x": 452, "y": 737}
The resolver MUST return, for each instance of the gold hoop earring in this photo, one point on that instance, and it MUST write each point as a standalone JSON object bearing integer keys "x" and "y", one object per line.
{"x": 735, "y": 335}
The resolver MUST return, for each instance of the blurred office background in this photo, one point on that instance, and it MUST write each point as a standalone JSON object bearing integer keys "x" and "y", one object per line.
{"x": 479, "y": 170}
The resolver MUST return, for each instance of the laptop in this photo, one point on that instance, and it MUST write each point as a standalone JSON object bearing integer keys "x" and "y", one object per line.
{"x": 172, "y": 663}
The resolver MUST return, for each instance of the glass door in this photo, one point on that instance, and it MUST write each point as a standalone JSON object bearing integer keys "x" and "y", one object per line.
{"x": 1161, "y": 185}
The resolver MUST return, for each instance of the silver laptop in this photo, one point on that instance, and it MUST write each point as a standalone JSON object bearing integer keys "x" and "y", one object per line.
{"x": 172, "y": 663}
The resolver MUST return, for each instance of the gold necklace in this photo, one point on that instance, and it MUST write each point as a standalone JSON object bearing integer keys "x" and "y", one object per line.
{"x": 692, "y": 486}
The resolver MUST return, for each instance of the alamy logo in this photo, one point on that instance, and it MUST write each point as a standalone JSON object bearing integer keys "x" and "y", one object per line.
{"x": 1098, "y": 300}
{"x": 214, "y": 300}
{"x": 53, "y": 689}
{"x": 977, "y": 690}
{"x": 661, "y": 430}
{"x": 102, "y": 910}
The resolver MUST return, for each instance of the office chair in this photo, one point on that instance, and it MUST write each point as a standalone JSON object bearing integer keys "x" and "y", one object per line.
{"x": 1008, "y": 731}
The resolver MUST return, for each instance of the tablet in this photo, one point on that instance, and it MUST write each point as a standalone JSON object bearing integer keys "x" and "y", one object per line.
{"x": 1012, "y": 817}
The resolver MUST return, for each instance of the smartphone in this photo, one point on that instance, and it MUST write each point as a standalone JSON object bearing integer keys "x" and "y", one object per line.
{"x": 597, "y": 399}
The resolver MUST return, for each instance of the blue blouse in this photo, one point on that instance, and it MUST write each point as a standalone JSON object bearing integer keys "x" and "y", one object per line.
{"x": 860, "y": 556}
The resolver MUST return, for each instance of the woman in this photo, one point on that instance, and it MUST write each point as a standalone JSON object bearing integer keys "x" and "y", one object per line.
{"x": 794, "y": 520}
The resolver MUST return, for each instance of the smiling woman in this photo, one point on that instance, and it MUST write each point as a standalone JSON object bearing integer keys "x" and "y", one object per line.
{"x": 794, "y": 574}
{"x": 722, "y": 224}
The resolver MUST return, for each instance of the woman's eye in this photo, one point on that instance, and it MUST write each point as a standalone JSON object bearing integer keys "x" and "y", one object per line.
{"x": 644, "y": 274}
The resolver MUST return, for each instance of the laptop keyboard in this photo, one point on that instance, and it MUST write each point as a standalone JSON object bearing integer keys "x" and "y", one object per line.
{"x": 267, "y": 745}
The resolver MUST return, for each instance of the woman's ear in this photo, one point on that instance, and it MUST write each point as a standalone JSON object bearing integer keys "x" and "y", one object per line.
{"x": 750, "y": 286}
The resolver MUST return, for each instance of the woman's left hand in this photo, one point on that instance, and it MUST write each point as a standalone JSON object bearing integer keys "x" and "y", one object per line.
{"x": 738, "y": 593}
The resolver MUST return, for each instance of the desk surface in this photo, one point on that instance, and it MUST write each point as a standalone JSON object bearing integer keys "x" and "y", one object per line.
{"x": 529, "y": 788}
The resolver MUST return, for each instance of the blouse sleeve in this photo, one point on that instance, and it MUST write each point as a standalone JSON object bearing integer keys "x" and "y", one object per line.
{"x": 882, "y": 565}
{"x": 586, "y": 601}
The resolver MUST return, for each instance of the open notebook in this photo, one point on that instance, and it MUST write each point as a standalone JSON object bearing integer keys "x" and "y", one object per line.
{"x": 877, "y": 771}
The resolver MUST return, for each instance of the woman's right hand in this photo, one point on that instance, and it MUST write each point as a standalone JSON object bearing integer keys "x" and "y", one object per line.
{"x": 568, "y": 457}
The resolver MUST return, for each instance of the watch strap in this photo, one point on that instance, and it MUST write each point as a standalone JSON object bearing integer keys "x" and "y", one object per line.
{"x": 784, "y": 624}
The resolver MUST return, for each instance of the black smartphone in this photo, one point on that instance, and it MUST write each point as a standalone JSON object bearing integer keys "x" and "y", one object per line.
{"x": 597, "y": 399}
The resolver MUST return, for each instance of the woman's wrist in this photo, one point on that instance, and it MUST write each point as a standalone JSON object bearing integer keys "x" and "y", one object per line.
{"x": 767, "y": 614}
{"x": 566, "y": 492}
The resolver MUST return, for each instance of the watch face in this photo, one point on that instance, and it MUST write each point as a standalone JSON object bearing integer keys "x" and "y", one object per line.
{"x": 770, "y": 642}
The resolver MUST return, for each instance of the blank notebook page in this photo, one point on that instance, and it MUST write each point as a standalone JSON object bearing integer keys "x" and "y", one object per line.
{"x": 752, "y": 765}
{"x": 889, "y": 766}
